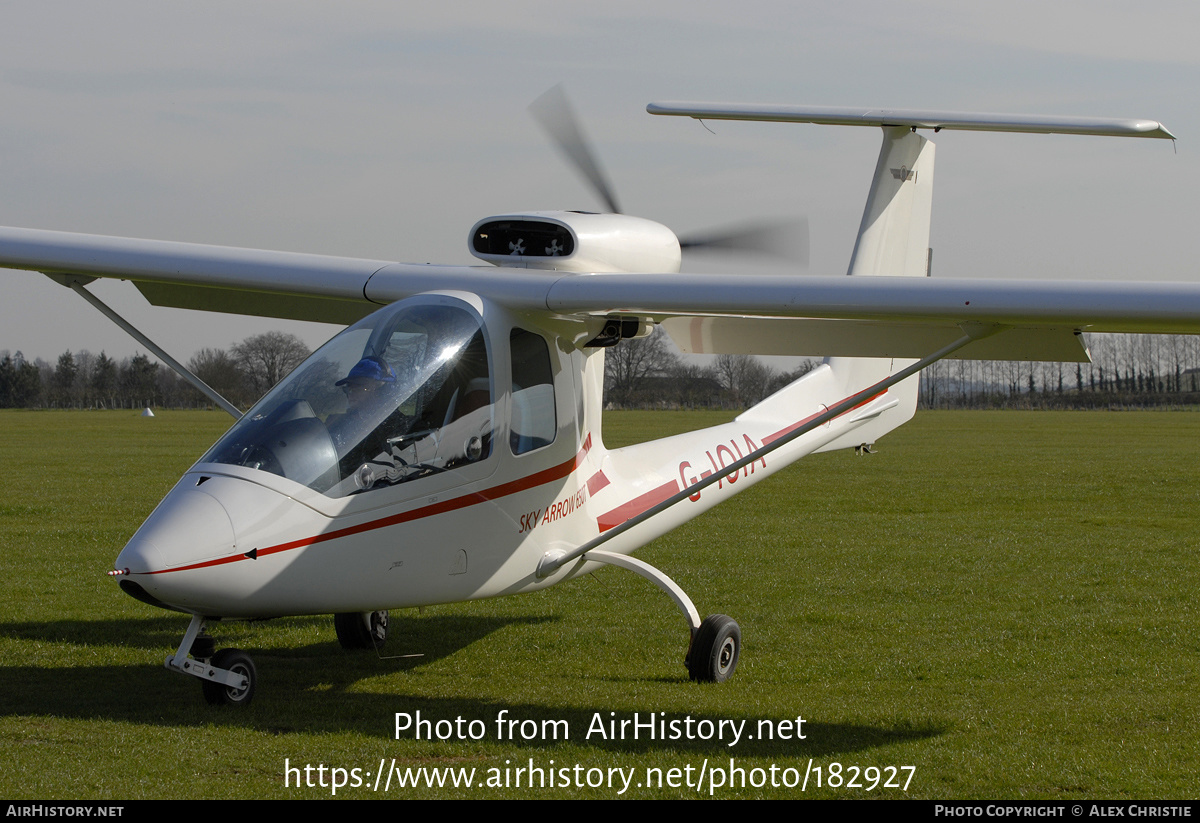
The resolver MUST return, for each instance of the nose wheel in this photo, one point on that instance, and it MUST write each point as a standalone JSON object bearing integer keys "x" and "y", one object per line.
{"x": 238, "y": 663}
{"x": 227, "y": 677}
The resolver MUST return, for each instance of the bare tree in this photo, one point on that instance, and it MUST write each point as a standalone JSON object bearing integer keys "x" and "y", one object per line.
{"x": 628, "y": 364}
{"x": 219, "y": 369}
{"x": 692, "y": 386}
{"x": 744, "y": 376}
{"x": 266, "y": 358}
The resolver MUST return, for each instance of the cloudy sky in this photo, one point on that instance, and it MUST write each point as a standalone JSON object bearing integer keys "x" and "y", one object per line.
{"x": 385, "y": 130}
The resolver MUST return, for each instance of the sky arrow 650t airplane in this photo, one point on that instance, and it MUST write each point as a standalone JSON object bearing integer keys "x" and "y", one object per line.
{"x": 447, "y": 445}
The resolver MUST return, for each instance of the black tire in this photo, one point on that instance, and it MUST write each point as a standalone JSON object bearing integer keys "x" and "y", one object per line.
{"x": 352, "y": 631}
{"x": 715, "y": 650}
{"x": 237, "y": 661}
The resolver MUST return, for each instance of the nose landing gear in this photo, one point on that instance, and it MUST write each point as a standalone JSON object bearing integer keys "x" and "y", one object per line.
{"x": 227, "y": 677}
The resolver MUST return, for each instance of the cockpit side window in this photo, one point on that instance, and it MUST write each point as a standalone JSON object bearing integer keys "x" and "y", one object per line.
{"x": 534, "y": 422}
{"x": 404, "y": 394}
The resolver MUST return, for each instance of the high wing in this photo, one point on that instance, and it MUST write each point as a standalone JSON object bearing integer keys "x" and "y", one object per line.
{"x": 886, "y": 316}
{"x": 737, "y": 313}
{"x": 207, "y": 278}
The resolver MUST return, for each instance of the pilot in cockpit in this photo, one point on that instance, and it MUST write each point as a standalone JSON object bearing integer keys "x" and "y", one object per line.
{"x": 426, "y": 421}
{"x": 367, "y": 402}
{"x": 364, "y": 381}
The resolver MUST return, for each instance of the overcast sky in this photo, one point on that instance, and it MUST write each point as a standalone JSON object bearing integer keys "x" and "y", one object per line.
{"x": 385, "y": 130}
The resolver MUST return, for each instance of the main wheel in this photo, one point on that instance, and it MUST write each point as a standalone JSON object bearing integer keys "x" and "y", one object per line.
{"x": 715, "y": 650}
{"x": 353, "y": 631}
{"x": 238, "y": 662}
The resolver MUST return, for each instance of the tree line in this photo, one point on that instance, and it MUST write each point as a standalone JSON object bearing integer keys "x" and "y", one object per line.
{"x": 83, "y": 380}
{"x": 646, "y": 373}
{"x": 1127, "y": 370}
{"x": 640, "y": 373}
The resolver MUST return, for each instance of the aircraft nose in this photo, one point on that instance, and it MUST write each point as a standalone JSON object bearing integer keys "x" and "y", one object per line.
{"x": 189, "y": 554}
{"x": 139, "y": 556}
{"x": 188, "y": 527}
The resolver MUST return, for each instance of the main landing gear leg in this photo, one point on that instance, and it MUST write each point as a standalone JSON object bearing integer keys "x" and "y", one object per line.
{"x": 368, "y": 630}
{"x": 227, "y": 677}
{"x": 715, "y": 643}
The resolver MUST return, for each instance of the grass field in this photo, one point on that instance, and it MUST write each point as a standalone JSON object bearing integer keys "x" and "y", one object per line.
{"x": 1004, "y": 601}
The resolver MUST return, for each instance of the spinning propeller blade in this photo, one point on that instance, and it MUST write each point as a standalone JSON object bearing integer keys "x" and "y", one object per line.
{"x": 553, "y": 111}
{"x": 786, "y": 239}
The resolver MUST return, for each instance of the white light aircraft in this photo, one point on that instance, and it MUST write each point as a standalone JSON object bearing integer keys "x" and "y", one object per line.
{"x": 447, "y": 445}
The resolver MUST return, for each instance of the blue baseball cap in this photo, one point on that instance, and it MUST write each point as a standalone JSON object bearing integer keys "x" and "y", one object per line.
{"x": 372, "y": 367}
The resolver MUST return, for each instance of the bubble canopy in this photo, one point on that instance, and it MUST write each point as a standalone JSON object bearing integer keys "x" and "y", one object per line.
{"x": 402, "y": 394}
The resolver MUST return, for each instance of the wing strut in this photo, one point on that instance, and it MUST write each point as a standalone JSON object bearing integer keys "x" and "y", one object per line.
{"x": 76, "y": 284}
{"x": 554, "y": 560}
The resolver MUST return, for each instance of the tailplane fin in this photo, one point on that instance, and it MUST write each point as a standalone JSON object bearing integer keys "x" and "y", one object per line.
{"x": 893, "y": 241}
{"x": 893, "y": 238}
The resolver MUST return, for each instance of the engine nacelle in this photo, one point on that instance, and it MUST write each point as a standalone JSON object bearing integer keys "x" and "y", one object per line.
{"x": 575, "y": 241}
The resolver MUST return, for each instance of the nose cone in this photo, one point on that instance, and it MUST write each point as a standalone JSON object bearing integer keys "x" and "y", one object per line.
{"x": 188, "y": 527}
{"x": 215, "y": 544}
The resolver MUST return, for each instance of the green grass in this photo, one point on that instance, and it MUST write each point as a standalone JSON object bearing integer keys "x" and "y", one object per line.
{"x": 1005, "y": 601}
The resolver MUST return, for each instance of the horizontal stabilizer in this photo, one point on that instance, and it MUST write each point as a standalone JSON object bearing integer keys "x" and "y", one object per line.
{"x": 916, "y": 119}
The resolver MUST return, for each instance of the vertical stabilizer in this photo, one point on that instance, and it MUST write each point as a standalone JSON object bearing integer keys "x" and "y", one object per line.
{"x": 893, "y": 240}
{"x": 894, "y": 236}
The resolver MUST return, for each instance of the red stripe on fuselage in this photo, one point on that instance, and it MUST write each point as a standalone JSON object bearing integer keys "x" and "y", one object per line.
{"x": 771, "y": 438}
{"x": 503, "y": 490}
{"x": 596, "y": 482}
{"x": 615, "y": 517}
{"x": 639, "y": 504}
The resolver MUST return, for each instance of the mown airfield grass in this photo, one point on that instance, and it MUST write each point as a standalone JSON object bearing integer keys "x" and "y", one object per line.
{"x": 1005, "y": 601}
